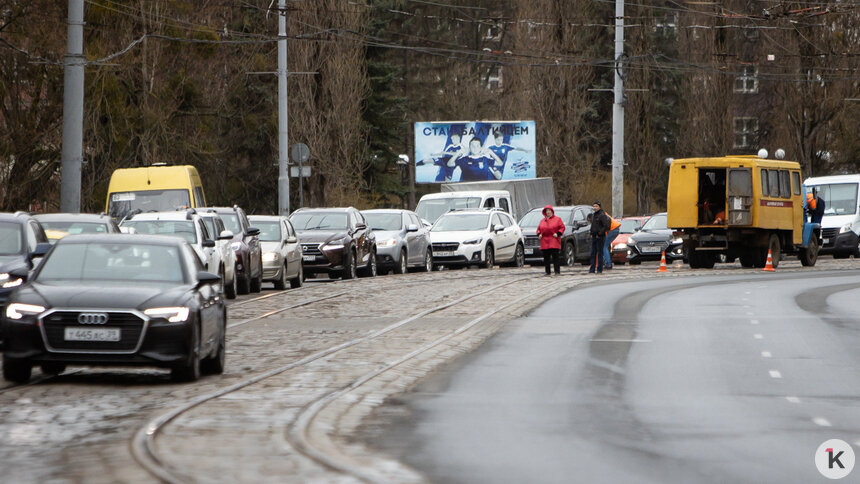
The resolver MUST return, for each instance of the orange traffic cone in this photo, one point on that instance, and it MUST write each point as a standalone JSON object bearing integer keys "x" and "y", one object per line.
{"x": 769, "y": 265}
{"x": 663, "y": 262}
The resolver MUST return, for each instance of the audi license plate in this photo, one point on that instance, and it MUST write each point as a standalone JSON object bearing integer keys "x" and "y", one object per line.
{"x": 650, "y": 249}
{"x": 92, "y": 334}
{"x": 444, "y": 254}
{"x": 310, "y": 258}
{"x": 529, "y": 251}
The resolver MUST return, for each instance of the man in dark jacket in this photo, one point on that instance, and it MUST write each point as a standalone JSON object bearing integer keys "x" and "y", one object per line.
{"x": 599, "y": 227}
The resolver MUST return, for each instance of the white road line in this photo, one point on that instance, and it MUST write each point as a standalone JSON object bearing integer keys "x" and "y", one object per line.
{"x": 753, "y": 321}
{"x": 793, "y": 399}
{"x": 821, "y": 421}
{"x": 621, "y": 340}
{"x": 775, "y": 374}
{"x": 758, "y": 336}
{"x": 766, "y": 354}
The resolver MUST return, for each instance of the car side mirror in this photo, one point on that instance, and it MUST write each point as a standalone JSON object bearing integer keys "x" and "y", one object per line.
{"x": 205, "y": 278}
{"x": 208, "y": 243}
{"x": 19, "y": 273}
{"x": 252, "y": 231}
{"x": 225, "y": 235}
{"x": 412, "y": 228}
{"x": 292, "y": 239}
{"x": 41, "y": 249}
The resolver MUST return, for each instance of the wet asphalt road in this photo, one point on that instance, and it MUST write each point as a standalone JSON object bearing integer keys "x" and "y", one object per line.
{"x": 733, "y": 378}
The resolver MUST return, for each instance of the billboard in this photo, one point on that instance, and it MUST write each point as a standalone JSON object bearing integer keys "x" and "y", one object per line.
{"x": 474, "y": 151}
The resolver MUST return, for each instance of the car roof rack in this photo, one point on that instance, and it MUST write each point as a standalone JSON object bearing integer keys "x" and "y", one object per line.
{"x": 190, "y": 213}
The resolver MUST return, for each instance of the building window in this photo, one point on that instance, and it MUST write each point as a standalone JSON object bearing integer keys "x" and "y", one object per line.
{"x": 745, "y": 132}
{"x": 494, "y": 79}
{"x": 747, "y": 80}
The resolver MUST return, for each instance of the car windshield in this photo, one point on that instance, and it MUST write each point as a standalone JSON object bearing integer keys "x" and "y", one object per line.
{"x": 58, "y": 229}
{"x": 839, "y": 198}
{"x": 173, "y": 228}
{"x": 383, "y": 221}
{"x": 99, "y": 261}
{"x": 11, "y": 238}
{"x": 319, "y": 221}
{"x": 269, "y": 231}
{"x": 657, "y": 222}
{"x": 532, "y": 219}
{"x": 122, "y": 203}
{"x": 461, "y": 222}
{"x": 231, "y": 222}
{"x": 629, "y": 226}
{"x": 432, "y": 209}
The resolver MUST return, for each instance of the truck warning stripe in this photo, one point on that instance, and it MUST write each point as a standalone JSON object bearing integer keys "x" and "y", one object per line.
{"x": 776, "y": 203}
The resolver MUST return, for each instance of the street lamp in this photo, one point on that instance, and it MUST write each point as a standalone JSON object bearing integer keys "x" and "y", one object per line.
{"x": 402, "y": 162}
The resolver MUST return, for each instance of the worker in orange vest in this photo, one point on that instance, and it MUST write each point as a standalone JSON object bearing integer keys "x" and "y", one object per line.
{"x": 614, "y": 228}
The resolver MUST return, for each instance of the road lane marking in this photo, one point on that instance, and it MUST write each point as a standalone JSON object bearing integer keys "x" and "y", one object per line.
{"x": 758, "y": 336}
{"x": 775, "y": 374}
{"x": 766, "y": 354}
{"x": 821, "y": 421}
{"x": 609, "y": 340}
{"x": 793, "y": 399}
{"x": 753, "y": 321}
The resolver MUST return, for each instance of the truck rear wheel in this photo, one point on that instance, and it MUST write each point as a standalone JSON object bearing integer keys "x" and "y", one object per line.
{"x": 775, "y": 251}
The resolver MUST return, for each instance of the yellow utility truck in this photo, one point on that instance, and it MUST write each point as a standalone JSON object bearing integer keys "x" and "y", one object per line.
{"x": 155, "y": 188}
{"x": 740, "y": 207}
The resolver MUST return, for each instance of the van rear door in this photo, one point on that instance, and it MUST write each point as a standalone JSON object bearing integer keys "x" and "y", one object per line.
{"x": 739, "y": 196}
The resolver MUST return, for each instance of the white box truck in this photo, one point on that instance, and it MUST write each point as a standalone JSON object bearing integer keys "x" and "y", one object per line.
{"x": 516, "y": 197}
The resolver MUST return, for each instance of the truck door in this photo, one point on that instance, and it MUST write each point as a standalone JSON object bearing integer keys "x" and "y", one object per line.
{"x": 739, "y": 196}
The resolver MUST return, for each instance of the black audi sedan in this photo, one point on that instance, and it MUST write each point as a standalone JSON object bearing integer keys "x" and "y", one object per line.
{"x": 116, "y": 300}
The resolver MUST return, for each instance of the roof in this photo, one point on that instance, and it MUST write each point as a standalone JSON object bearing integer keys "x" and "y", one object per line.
{"x": 90, "y": 217}
{"x": 217, "y": 209}
{"x": 732, "y": 160}
{"x": 472, "y": 211}
{"x": 475, "y": 193}
{"x": 178, "y": 215}
{"x": 823, "y": 180}
{"x": 386, "y": 210}
{"x": 122, "y": 239}
{"x": 12, "y": 217}
{"x": 325, "y": 209}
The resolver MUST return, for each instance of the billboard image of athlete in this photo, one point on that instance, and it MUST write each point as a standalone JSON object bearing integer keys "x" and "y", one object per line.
{"x": 501, "y": 148}
{"x": 441, "y": 159}
{"x": 479, "y": 164}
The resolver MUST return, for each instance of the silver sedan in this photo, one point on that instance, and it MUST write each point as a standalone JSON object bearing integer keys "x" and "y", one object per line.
{"x": 282, "y": 253}
{"x": 402, "y": 241}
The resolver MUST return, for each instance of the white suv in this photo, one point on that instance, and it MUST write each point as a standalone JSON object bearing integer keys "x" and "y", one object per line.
{"x": 215, "y": 225}
{"x": 477, "y": 237}
{"x": 186, "y": 225}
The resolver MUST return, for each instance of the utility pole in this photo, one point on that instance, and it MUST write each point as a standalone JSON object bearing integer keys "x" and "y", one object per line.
{"x": 73, "y": 111}
{"x": 618, "y": 116}
{"x": 283, "y": 145}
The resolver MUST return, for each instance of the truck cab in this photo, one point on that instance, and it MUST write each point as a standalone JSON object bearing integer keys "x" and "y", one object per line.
{"x": 741, "y": 207}
{"x": 434, "y": 205}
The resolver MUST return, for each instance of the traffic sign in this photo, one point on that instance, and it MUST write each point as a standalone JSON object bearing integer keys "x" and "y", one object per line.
{"x": 305, "y": 171}
{"x": 300, "y": 153}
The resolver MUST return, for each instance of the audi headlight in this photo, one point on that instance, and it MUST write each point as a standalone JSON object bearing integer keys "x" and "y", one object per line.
{"x": 845, "y": 228}
{"x": 172, "y": 314}
{"x": 474, "y": 241}
{"x": 271, "y": 256}
{"x": 387, "y": 243}
{"x": 235, "y": 245}
{"x": 18, "y": 310}
{"x": 6, "y": 281}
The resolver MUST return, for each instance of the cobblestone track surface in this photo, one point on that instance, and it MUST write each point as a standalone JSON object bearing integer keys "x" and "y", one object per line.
{"x": 76, "y": 427}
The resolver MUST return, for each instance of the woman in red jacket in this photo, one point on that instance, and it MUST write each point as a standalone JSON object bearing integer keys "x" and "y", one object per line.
{"x": 550, "y": 230}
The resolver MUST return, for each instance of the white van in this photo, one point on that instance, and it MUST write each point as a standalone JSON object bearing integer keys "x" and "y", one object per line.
{"x": 434, "y": 205}
{"x": 840, "y": 226}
